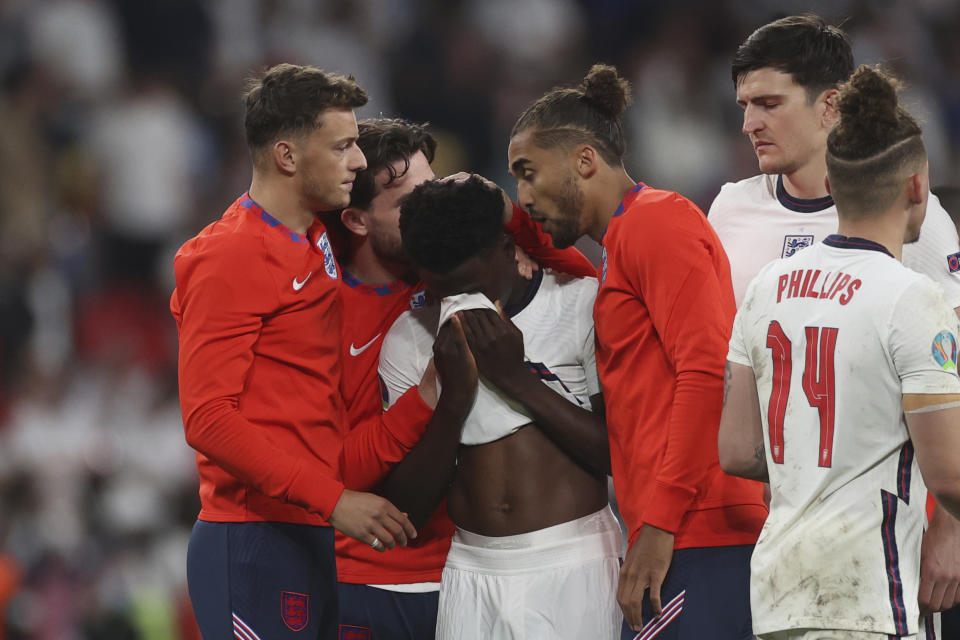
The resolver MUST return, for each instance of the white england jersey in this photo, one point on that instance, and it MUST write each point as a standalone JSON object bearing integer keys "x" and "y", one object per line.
{"x": 836, "y": 335}
{"x": 758, "y": 221}
{"x": 557, "y": 325}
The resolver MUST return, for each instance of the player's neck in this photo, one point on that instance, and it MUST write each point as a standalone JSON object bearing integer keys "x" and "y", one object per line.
{"x": 807, "y": 182}
{"x": 885, "y": 230}
{"x": 281, "y": 200}
{"x": 368, "y": 268}
{"x": 611, "y": 188}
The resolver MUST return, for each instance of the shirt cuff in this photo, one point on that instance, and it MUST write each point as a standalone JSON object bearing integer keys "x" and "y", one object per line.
{"x": 668, "y": 504}
{"x": 313, "y": 489}
{"x": 407, "y": 419}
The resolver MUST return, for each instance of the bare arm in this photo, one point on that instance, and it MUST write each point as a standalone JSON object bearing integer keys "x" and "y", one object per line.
{"x": 934, "y": 424}
{"x": 741, "y": 443}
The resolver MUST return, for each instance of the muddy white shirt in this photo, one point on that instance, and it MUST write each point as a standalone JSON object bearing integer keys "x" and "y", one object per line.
{"x": 836, "y": 334}
{"x": 758, "y": 221}
{"x": 556, "y": 319}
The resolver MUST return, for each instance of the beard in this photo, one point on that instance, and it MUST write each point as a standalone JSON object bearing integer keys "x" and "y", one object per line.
{"x": 565, "y": 227}
{"x": 387, "y": 246}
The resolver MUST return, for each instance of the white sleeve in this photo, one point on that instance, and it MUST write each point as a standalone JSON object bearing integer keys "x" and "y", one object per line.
{"x": 404, "y": 356}
{"x": 930, "y": 255}
{"x": 588, "y": 347}
{"x": 739, "y": 351}
{"x": 923, "y": 340}
{"x": 716, "y": 215}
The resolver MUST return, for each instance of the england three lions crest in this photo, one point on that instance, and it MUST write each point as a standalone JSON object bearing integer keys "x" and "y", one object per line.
{"x": 295, "y": 609}
{"x": 792, "y": 244}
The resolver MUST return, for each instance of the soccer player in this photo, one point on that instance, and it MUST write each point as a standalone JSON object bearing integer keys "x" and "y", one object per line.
{"x": 536, "y": 549}
{"x": 662, "y": 316}
{"x": 257, "y": 305}
{"x": 395, "y": 595}
{"x": 841, "y": 387}
{"x": 786, "y": 76}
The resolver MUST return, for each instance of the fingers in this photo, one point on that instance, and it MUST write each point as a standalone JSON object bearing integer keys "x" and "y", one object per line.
{"x": 460, "y": 176}
{"x": 630, "y": 598}
{"x": 656, "y": 581}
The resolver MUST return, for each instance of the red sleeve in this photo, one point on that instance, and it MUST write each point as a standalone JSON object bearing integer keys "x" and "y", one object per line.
{"x": 219, "y": 318}
{"x": 675, "y": 261}
{"x": 538, "y": 245}
{"x": 372, "y": 448}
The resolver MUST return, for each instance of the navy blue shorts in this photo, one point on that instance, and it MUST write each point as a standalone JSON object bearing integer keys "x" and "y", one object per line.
{"x": 706, "y": 594}
{"x": 368, "y": 613}
{"x": 263, "y": 580}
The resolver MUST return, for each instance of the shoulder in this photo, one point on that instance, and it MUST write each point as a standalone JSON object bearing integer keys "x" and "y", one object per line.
{"x": 734, "y": 195}
{"x": 412, "y": 328}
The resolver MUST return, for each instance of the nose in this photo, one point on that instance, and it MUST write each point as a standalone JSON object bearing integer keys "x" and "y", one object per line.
{"x": 358, "y": 161}
{"x": 524, "y": 195}
{"x": 752, "y": 122}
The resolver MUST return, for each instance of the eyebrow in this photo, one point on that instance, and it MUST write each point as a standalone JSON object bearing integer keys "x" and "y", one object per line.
{"x": 761, "y": 98}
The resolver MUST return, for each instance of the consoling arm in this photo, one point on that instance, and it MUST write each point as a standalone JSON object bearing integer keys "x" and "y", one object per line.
{"x": 741, "y": 443}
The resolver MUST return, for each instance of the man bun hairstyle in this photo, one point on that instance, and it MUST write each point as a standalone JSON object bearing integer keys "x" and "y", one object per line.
{"x": 875, "y": 145}
{"x": 287, "y": 99}
{"x": 587, "y": 114}
{"x": 444, "y": 224}
{"x": 383, "y": 142}
{"x": 818, "y": 56}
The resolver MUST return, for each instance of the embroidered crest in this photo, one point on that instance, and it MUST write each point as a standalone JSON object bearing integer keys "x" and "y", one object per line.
{"x": 953, "y": 262}
{"x": 792, "y": 244}
{"x": 944, "y": 350}
{"x": 350, "y": 632}
{"x": 418, "y": 299}
{"x": 329, "y": 262}
{"x": 295, "y": 609}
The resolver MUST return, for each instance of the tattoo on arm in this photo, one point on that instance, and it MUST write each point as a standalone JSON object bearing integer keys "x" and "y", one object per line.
{"x": 759, "y": 471}
{"x": 727, "y": 375}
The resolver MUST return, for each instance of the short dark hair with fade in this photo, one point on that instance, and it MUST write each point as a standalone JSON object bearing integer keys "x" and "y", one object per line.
{"x": 287, "y": 100}
{"x": 818, "y": 56}
{"x": 445, "y": 223}
{"x": 587, "y": 114}
{"x": 384, "y": 141}
{"x": 875, "y": 146}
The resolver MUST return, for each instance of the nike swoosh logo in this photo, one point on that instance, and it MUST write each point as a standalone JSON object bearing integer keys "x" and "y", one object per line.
{"x": 298, "y": 284}
{"x": 355, "y": 351}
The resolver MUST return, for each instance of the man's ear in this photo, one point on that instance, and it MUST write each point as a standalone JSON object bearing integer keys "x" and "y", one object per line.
{"x": 355, "y": 220}
{"x": 918, "y": 185}
{"x": 587, "y": 160}
{"x": 285, "y": 157}
{"x": 831, "y": 115}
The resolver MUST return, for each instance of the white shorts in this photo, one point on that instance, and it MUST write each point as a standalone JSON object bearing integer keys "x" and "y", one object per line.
{"x": 828, "y": 634}
{"x": 555, "y": 583}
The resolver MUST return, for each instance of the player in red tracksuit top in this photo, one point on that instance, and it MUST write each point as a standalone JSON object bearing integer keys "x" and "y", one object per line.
{"x": 662, "y": 316}
{"x": 403, "y": 602}
{"x": 258, "y": 308}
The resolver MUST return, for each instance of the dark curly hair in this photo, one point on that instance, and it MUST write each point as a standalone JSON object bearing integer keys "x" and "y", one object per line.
{"x": 818, "y": 56}
{"x": 588, "y": 114}
{"x": 444, "y": 224}
{"x": 287, "y": 99}
{"x": 874, "y": 146}
{"x": 383, "y": 142}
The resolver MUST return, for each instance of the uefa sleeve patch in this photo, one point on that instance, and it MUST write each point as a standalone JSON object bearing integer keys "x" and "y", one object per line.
{"x": 945, "y": 351}
{"x": 953, "y": 262}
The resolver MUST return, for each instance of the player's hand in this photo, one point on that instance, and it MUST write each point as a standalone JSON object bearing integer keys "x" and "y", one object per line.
{"x": 507, "y": 203}
{"x": 940, "y": 564}
{"x": 372, "y": 520}
{"x": 645, "y": 567}
{"x": 525, "y": 264}
{"x": 455, "y": 364}
{"x": 497, "y": 346}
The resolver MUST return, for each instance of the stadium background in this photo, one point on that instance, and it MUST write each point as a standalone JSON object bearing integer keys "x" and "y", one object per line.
{"x": 120, "y": 137}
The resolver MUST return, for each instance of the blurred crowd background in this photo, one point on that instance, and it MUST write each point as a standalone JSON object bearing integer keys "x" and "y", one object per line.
{"x": 121, "y": 136}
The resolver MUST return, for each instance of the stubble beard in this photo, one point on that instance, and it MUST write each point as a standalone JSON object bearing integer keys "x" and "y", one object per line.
{"x": 569, "y": 207}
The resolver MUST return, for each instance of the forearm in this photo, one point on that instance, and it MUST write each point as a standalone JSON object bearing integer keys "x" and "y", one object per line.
{"x": 579, "y": 432}
{"x": 373, "y": 447}
{"x": 420, "y": 481}
{"x": 690, "y": 448}
{"x": 219, "y": 432}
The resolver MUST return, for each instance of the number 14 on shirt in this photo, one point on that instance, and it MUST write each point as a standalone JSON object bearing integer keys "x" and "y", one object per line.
{"x": 818, "y": 385}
